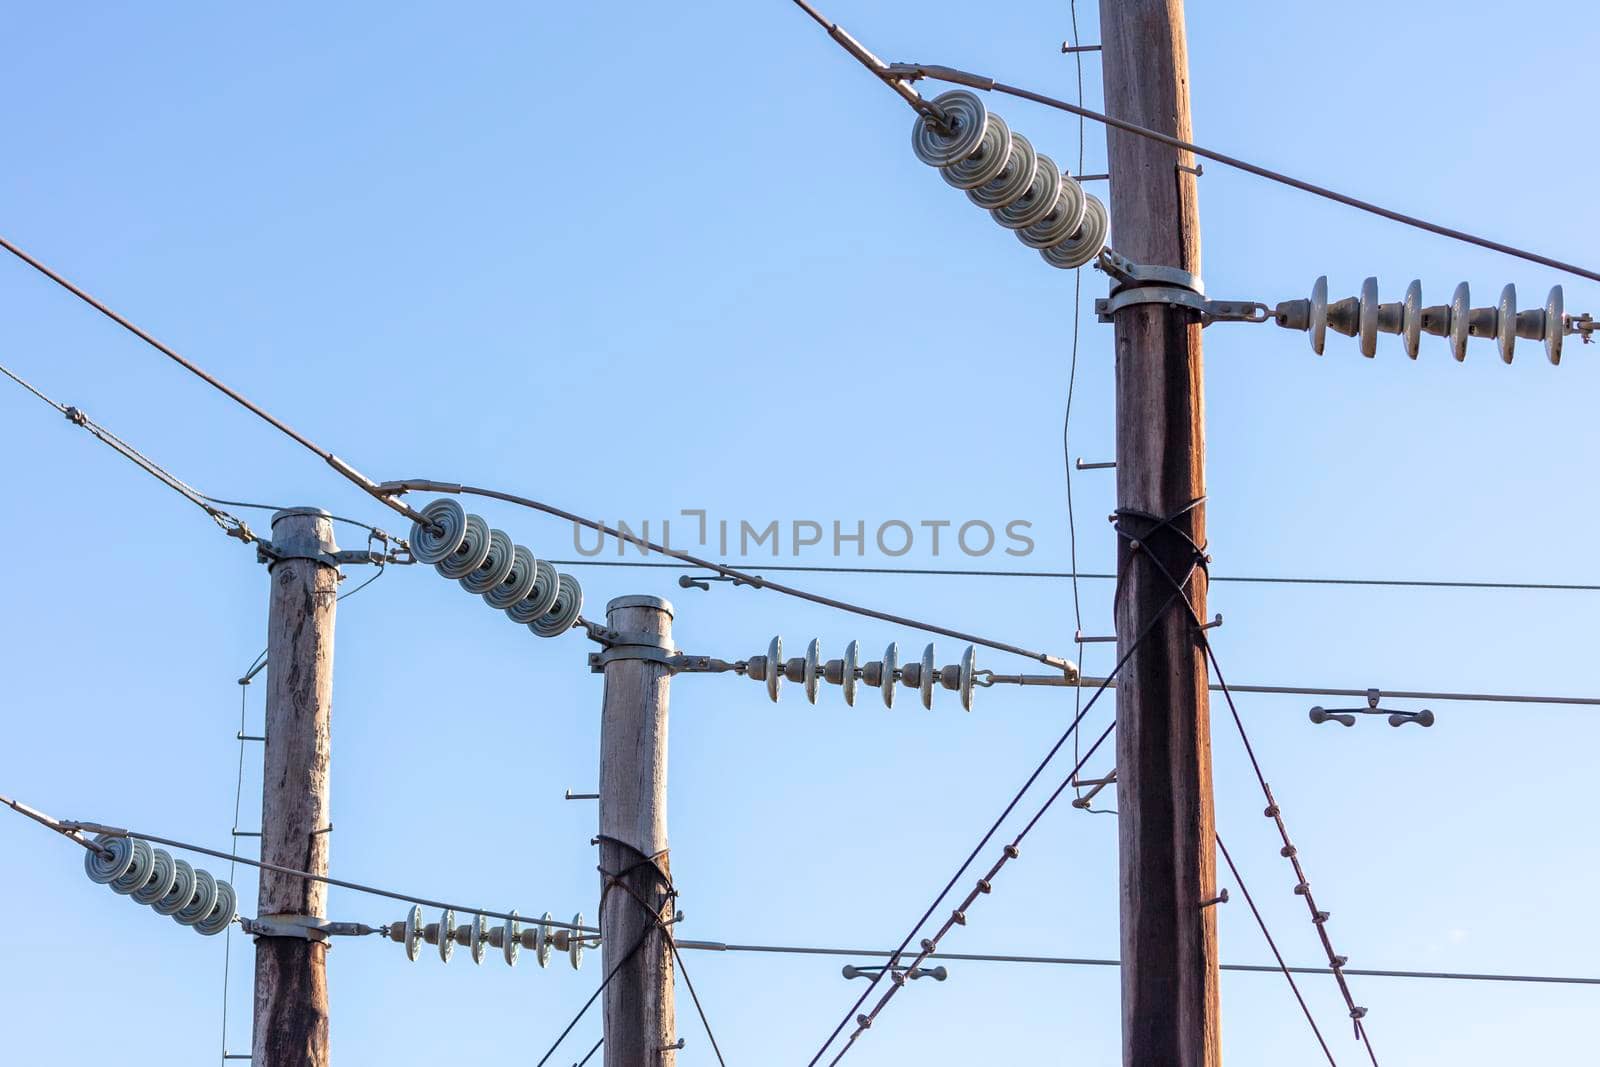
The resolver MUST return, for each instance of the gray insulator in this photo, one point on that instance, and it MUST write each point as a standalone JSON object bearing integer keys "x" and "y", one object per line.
{"x": 140, "y": 871}
{"x": 1012, "y": 181}
{"x": 511, "y": 939}
{"x": 564, "y": 612}
{"x": 774, "y": 668}
{"x": 1082, "y": 247}
{"x": 222, "y": 911}
{"x": 447, "y": 931}
{"x": 851, "y": 672}
{"x": 182, "y": 892}
{"x": 517, "y": 583}
{"x": 413, "y": 933}
{"x": 540, "y": 599}
{"x": 478, "y": 937}
{"x": 1411, "y": 318}
{"x": 110, "y": 864}
{"x": 204, "y": 899}
{"x": 1555, "y": 324}
{"x": 1460, "y": 321}
{"x": 926, "y": 676}
{"x": 1505, "y": 333}
{"x": 969, "y": 672}
{"x": 495, "y": 566}
{"x": 1319, "y": 314}
{"x": 575, "y": 942}
{"x": 435, "y": 546}
{"x": 1063, "y": 220}
{"x": 966, "y": 119}
{"x": 470, "y": 553}
{"x": 986, "y": 161}
{"x": 812, "y": 670}
{"x": 543, "y": 940}
{"x": 161, "y": 882}
{"x": 1367, "y": 318}
{"x": 1036, "y": 202}
{"x": 891, "y": 664}
{"x": 1344, "y": 316}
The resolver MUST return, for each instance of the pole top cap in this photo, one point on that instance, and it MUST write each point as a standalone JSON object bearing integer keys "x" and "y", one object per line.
{"x": 289, "y": 513}
{"x": 640, "y": 601}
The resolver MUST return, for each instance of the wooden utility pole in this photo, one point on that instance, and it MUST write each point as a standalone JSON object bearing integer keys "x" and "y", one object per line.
{"x": 635, "y": 870}
{"x": 1168, "y": 858}
{"x": 291, "y": 1001}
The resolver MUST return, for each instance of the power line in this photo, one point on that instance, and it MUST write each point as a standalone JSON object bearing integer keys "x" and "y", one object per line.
{"x": 1273, "y": 945}
{"x": 1075, "y": 574}
{"x": 1083, "y": 961}
{"x": 898, "y": 75}
{"x": 229, "y": 524}
{"x": 862, "y": 1021}
{"x": 74, "y": 831}
{"x": 753, "y": 580}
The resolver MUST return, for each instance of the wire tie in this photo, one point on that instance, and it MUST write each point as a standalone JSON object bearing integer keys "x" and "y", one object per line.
{"x": 959, "y": 917}
{"x": 863, "y": 1022}
{"x": 1011, "y": 852}
{"x": 1336, "y": 962}
{"x": 1358, "y": 1013}
{"x": 984, "y": 886}
{"x": 1319, "y": 917}
{"x": 1302, "y": 889}
{"x": 1271, "y": 811}
{"x": 1287, "y": 851}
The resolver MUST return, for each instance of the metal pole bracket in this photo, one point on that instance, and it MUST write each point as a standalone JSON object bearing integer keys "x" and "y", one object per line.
{"x": 303, "y": 927}
{"x": 1139, "y": 283}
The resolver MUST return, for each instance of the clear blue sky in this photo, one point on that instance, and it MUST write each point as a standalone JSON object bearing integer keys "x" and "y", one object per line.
{"x": 635, "y": 261}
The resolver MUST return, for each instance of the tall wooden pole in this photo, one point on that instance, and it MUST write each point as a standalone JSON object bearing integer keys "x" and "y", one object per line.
{"x": 635, "y": 869}
{"x": 291, "y": 1001}
{"x": 1166, "y": 830}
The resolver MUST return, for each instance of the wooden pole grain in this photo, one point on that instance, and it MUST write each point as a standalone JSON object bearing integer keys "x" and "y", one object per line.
{"x": 635, "y": 868}
{"x": 291, "y": 989}
{"x": 1165, "y": 823}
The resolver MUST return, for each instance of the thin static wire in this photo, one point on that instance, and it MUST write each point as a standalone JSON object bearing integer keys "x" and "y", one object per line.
{"x": 942, "y": 572}
{"x": 1273, "y": 945}
{"x": 238, "y": 794}
{"x": 648, "y": 930}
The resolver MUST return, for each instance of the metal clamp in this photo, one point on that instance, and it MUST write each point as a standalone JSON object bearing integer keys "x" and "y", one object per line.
{"x": 1142, "y": 283}
{"x": 267, "y": 552}
{"x": 303, "y": 927}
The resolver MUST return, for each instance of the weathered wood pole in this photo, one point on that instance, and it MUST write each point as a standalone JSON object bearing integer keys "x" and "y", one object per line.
{"x": 639, "y": 1014}
{"x": 291, "y": 995}
{"x": 1168, "y": 859}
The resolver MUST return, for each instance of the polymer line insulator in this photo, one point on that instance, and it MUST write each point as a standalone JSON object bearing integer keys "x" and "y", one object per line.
{"x": 222, "y": 910}
{"x": 1012, "y": 181}
{"x": 494, "y": 566}
{"x": 986, "y": 161}
{"x": 183, "y": 891}
{"x": 517, "y": 583}
{"x": 1037, "y": 200}
{"x": 1085, "y": 245}
{"x": 1062, "y": 221}
{"x": 442, "y": 535}
{"x": 470, "y": 553}
{"x": 165, "y": 876}
{"x": 563, "y": 614}
{"x": 111, "y": 861}
{"x": 140, "y": 871}
{"x": 1364, "y": 317}
{"x": 540, "y": 599}
{"x": 965, "y": 119}
{"x": 203, "y": 901}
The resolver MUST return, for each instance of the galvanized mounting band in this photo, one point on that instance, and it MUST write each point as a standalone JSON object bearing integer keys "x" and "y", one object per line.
{"x": 649, "y": 653}
{"x": 1210, "y": 310}
{"x": 1127, "y": 272}
{"x": 301, "y": 927}
{"x": 271, "y": 555}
